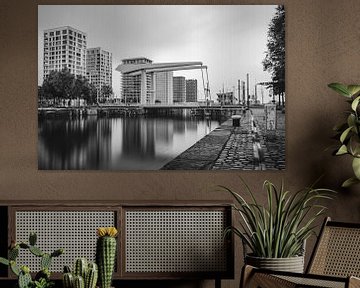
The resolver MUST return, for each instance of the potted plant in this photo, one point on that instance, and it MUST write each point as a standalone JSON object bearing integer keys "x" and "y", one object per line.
{"x": 276, "y": 233}
{"x": 348, "y": 132}
{"x": 42, "y": 278}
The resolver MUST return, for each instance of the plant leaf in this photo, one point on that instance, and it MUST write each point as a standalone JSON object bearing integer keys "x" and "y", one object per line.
{"x": 340, "y": 89}
{"x": 4, "y": 261}
{"x": 345, "y": 134}
{"x": 342, "y": 150}
{"x": 356, "y": 167}
{"x": 349, "y": 182}
{"x": 355, "y": 103}
{"x": 353, "y": 89}
{"x": 351, "y": 120}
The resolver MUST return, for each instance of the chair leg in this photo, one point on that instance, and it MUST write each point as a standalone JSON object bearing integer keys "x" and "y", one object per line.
{"x": 246, "y": 274}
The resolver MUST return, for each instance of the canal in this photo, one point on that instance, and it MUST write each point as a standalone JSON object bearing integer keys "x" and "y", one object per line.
{"x": 117, "y": 143}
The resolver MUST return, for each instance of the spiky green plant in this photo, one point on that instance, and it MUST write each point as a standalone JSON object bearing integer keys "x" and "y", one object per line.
{"x": 42, "y": 278}
{"x": 348, "y": 132}
{"x": 84, "y": 273}
{"x": 106, "y": 254}
{"x": 279, "y": 229}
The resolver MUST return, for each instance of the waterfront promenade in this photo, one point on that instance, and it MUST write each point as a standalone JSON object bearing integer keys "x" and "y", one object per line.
{"x": 248, "y": 147}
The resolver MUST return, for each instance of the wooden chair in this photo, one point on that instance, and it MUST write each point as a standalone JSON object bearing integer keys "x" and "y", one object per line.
{"x": 334, "y": 263}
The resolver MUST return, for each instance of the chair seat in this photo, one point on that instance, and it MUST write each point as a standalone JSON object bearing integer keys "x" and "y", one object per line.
{"x": 315, "y": 282}
{"x": 268, "y": 279}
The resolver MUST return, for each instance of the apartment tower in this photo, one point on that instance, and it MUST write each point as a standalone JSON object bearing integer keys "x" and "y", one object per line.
{"x": 179, "y": 87}
{"x": 99, "y": 68}
{"x": 64, "y": 47}
{"x": 191, "y": 90}
{"x": 164, "y": 87}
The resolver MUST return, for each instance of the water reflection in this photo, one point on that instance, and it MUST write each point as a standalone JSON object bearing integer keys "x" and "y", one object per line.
{"x": 122, "y": 143}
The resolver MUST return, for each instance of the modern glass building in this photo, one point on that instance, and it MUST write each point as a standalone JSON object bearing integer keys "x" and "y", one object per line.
{"x": 131, "y": 84}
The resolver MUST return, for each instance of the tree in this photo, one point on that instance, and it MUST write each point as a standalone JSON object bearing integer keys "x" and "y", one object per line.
{"x": 274, "y": 61}
{"x": 90, "y": 93}
{"x": 58, "y": 85}
{"x": 106, "y": 92}
{"x": 62, "y": 85}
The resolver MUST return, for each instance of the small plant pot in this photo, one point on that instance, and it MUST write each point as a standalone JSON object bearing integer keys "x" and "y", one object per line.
{"x": 291, "y": 264}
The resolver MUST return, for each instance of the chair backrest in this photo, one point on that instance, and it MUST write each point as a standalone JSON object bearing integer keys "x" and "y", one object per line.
{"x": 337, "y": 251}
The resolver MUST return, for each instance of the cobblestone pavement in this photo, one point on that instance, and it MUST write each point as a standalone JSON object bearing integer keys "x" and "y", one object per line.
{"x": 203, "y": 153}
{"x": 238, "y": 152}
{"x": 248, "y": 147}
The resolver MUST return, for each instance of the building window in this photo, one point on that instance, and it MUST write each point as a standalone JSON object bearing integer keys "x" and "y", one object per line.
{"x": 64, "y": 31}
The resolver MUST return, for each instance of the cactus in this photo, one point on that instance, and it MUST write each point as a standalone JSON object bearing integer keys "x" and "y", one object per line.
{"x": 91, "y": 276}
{"x": 36, "y": 251}
{"x": 80, "y": 267}
{"x": 32, "y": 238}
{"x": 45, "y": 261}
{"x": 79, "y": 282}
{"x": 44, "y": 273}
{"x": 24, "y": 280}
{"x": 67, "y": 269}
{"x": 57, "y": 253}
{"x": 105, "y": 254}
{"x": 14, "y": 268}
{"x": 13, "y": 253}
{"x": 87, "y": 272}
{"x": 4, "y": 261}
{"x": 42, "y": 278}
{"x": 68, "y": 280}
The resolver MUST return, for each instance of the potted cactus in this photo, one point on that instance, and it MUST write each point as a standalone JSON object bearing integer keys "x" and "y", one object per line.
{"x": 84, "y": 275}
{"x": 42, "y": 278}
{"x": 106, "y": 254}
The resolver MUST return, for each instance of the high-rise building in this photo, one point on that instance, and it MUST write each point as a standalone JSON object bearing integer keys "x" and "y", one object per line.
{"x": 179, "y": 88}
{"x": 191, "y": 90}
{"x": 164, "y": 87}
{"x": 64, "y": 47}
{"x": 131, "y": 84}
{"x": 99, "y": 68}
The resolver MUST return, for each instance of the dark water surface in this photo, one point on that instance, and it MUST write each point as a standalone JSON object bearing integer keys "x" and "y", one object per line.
{"x": 121, "y": 143}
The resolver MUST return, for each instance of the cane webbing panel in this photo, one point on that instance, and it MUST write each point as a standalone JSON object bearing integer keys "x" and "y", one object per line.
{"x": 175, "y": 241}
{"x": 338, "y": 252}
{"x": 313, "y": 282}
{"x": 74, "y": 231}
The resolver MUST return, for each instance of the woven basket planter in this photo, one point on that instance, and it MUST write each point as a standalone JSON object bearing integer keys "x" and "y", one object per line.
{"x": 291, "y": 264}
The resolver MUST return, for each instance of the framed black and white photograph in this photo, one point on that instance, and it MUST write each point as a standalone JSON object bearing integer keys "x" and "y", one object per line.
{"x": 161, "y": 87}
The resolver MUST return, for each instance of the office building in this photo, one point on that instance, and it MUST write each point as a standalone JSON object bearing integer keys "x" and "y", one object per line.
{"x": 131, "y": 84}
{"x": 179, "y": 88}
{"x": 164, "y": 87}
{"x": 64, "y": 47}
{"x": 191, "y": 90}
{"x": 99, "y": 68}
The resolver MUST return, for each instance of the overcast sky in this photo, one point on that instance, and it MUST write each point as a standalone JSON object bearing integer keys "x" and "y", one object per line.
{"x": 229, "y": 39}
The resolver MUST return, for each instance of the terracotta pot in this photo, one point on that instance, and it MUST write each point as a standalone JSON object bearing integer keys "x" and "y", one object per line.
{"x": 291, "y": 264}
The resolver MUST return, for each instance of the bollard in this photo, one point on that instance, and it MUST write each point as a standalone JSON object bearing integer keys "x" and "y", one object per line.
{"x": 236, "y": 120}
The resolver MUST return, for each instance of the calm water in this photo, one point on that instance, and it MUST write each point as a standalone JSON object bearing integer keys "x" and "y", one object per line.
{"x": 117, "y": 143}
